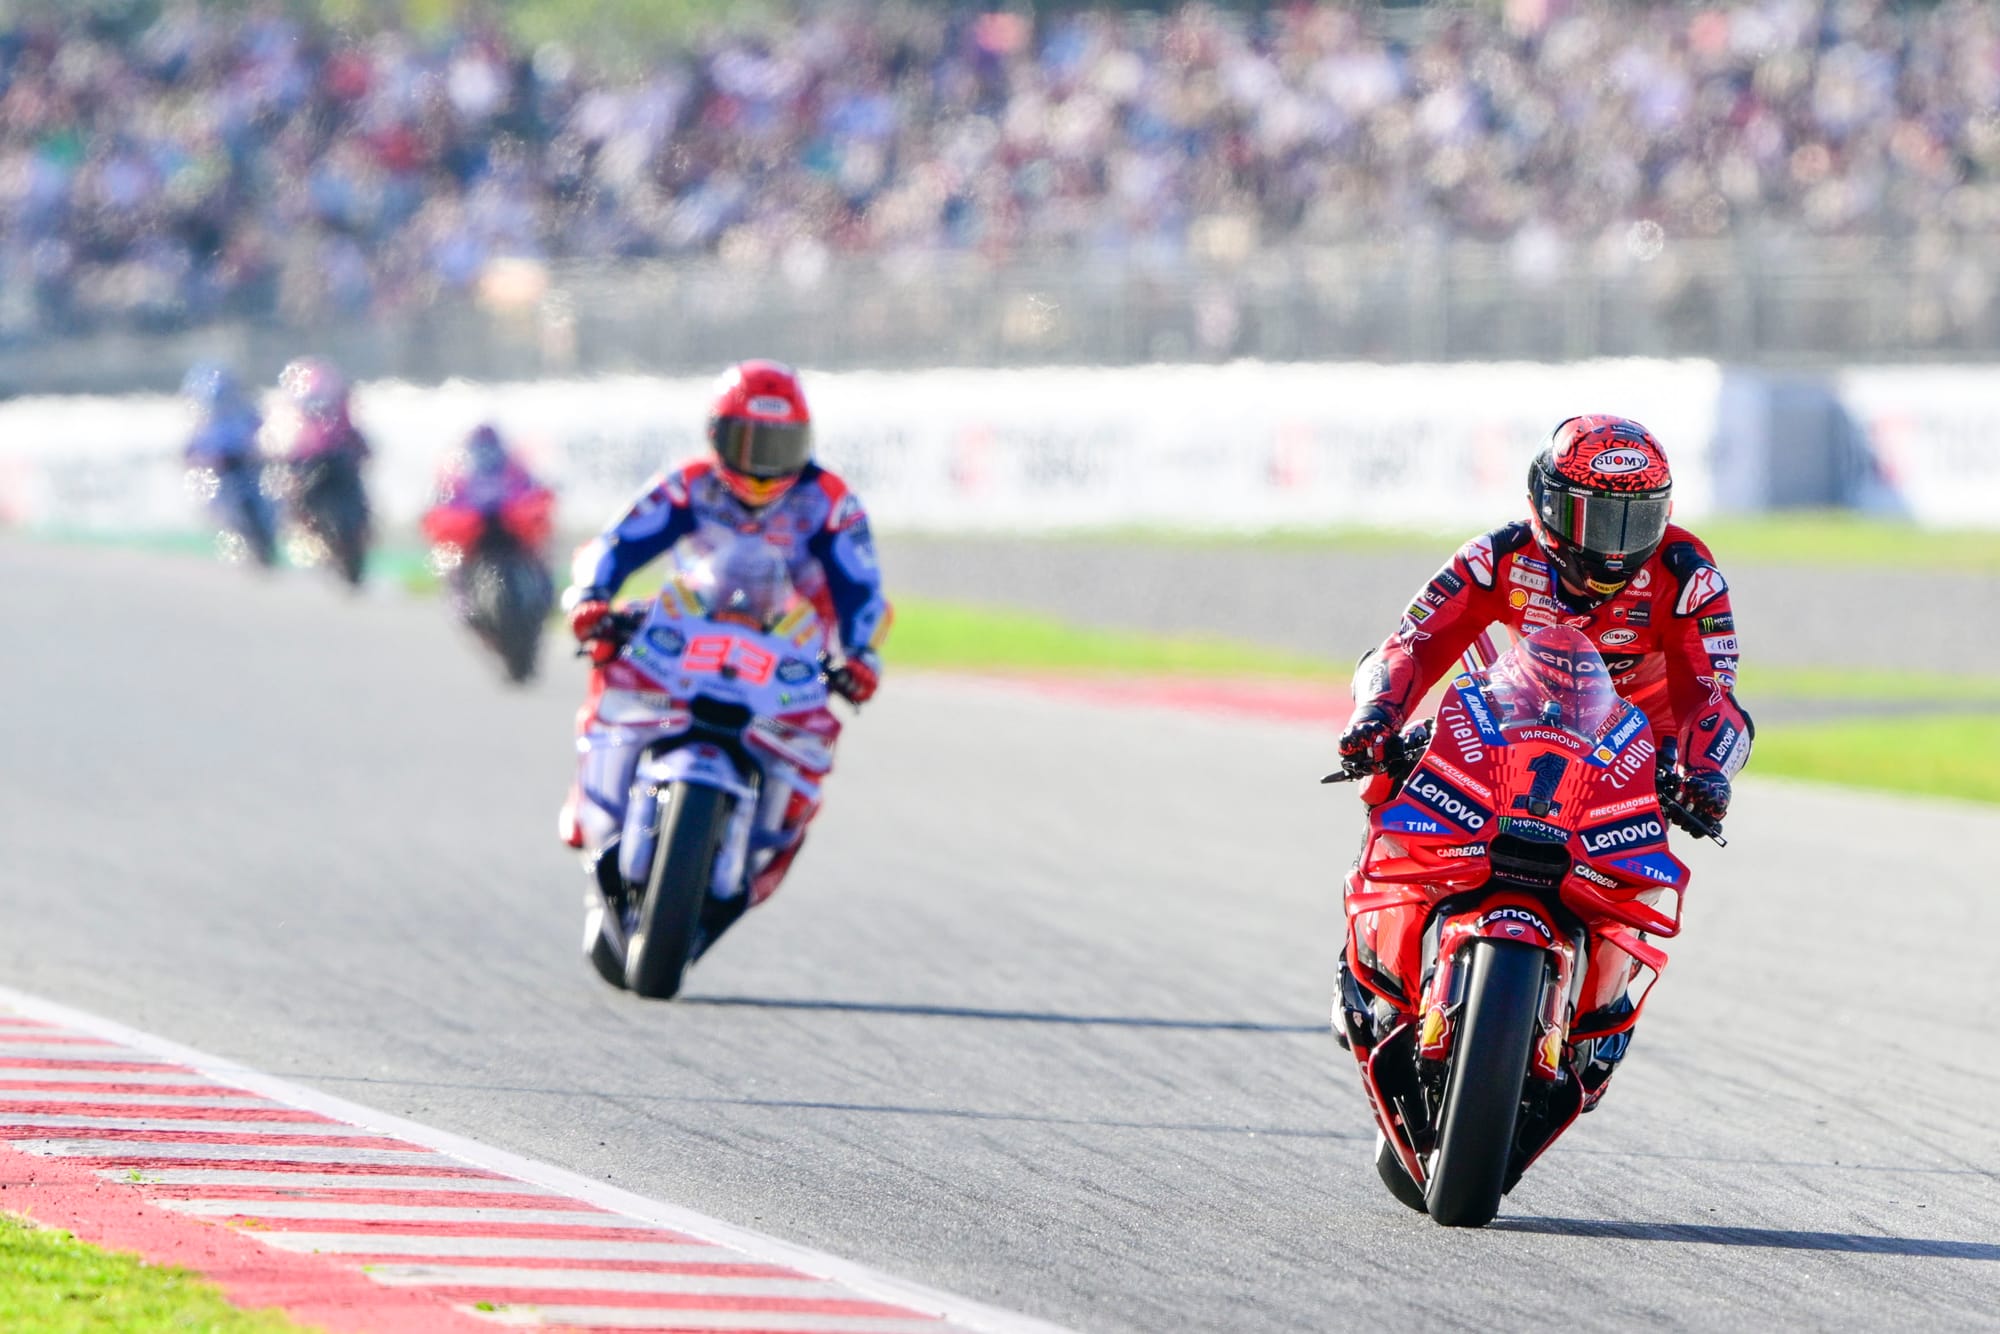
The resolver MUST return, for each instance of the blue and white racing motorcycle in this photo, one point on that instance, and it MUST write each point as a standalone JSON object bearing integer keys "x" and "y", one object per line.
{"x": 700, "y": 761}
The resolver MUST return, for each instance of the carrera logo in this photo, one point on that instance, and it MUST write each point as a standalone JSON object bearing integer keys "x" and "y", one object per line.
{"x": 1704, "y": 586}
{"x": 1593, "y": 875}
{"x": 1463, "y": 850}
{"x": 1617, "y": 638}
{"x": 1615, "y": 462}
{"x": 1447, "y": 801}
{"x": 1625, "y": 834}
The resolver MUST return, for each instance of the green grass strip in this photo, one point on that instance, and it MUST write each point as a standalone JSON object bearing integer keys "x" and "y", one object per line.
{"x": 51, "y": 1283}
{"x": 955, "y": 636}
{"x": 1804, "y": 537}
{"x": 1935, "y": 755}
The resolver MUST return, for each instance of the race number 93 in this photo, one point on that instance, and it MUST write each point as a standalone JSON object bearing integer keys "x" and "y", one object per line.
{"x": 708, "y": 655}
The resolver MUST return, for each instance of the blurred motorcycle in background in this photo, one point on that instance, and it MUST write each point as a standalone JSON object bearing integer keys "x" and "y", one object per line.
{"x": 225, "y": 471}
{"x": 701, "y": 759}
{"x": 497, "y": 583}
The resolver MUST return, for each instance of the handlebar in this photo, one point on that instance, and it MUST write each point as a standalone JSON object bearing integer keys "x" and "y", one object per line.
{"x": 1407, "y": 751}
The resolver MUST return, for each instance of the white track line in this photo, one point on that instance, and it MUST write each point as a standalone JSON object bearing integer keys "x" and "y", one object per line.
{"x": 859, "y": 1279}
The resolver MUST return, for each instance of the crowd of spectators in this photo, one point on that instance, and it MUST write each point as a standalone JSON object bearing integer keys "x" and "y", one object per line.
{"x": 212, "y": 161}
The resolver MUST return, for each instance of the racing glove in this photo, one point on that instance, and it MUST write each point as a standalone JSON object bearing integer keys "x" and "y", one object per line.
{"x": 1369, "y": 742}
{"x": 1706, "y": 793}
{"x": 857, "y": 678}
{"x": 591, "y": 622}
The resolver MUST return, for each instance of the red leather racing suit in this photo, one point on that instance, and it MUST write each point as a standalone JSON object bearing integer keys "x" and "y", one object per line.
{"x": 1668, "y": 638}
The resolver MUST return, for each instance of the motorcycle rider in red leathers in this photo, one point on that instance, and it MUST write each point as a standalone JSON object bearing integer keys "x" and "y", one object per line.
{"x": 1597, "y": 554}
{"x": 761, "y": 481}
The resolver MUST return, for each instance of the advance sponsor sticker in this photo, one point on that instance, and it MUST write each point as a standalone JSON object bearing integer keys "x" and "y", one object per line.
{"x": 1476, "y": 708}
{"x": 1614, "y": 742}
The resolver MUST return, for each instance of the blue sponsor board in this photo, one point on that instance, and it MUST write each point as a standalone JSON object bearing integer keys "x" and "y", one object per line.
{"x": 1656, "y": 866}
{"x": 665, "y": 640}
{"x": 1403, "y": 818}
{"x": 1430, "y": 790}
{"x": 1476, "y": 708}
{"x": 1617, "y": 836}
{"x": 1614, "y": 742}
{"x": 796, "y": 671}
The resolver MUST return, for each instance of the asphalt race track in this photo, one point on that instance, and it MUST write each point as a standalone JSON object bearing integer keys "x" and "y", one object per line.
{"x": 1040, "y": 1019}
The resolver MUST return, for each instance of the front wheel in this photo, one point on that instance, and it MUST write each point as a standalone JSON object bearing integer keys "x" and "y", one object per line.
{"x": 1482, "y": 1096}
{"x": 693, "y": 820}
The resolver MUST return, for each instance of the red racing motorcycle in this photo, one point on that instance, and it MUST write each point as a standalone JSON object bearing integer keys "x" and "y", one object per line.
{"x": 1501, "y": 920}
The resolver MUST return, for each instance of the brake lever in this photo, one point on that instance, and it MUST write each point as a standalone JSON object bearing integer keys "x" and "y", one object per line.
{"x": 1693, "y": 823}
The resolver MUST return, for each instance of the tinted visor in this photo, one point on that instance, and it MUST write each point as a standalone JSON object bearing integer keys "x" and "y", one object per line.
{"x": 761, "y": 448}
{"x": 1607, "y": 525}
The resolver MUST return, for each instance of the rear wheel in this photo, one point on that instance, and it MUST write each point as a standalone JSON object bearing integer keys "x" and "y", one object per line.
{"x": 1482, "y": 1097}
{"x": 693, "y": 820}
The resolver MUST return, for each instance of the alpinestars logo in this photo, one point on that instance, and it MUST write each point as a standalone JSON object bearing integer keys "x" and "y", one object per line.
{"x": 1704, "y": 586}
{"x": 1478, "y": 558}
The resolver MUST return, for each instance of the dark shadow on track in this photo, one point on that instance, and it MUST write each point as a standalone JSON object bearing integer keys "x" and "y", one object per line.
{"x": 1772, "y": 1238}
{"x": 1003, "y": 1016}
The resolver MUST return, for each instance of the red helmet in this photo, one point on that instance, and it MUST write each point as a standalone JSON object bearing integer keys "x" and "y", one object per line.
{"x": 760, "y": 429}
{"x": 1599, "y": 494}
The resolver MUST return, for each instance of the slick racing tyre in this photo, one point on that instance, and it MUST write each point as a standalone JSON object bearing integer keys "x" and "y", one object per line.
{"x": 693, "y": 820}
{"x": 1390, "y": 1168}
{"x": 1482, "y": 1096}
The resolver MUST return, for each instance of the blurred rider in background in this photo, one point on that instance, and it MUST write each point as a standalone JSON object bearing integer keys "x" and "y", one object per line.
{"x": 317, "y": 421}
{"x": 481, "y": 484}
{"x": 761, "y": 481}
{"x": 1596, "y": 554}
{"x": 224, "y": 466}
{"x": 226, "y": 423}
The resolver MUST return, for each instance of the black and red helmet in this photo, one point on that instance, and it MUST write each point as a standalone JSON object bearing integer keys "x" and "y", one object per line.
{"x": 760, "y": 429}
{"x": 1599, "y": 494}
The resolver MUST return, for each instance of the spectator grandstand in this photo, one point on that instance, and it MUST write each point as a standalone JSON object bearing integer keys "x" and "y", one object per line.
{"x": 210, "y": 162}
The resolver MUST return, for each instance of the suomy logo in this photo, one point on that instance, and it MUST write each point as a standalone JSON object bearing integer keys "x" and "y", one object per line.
{"x": 1615, "y": 461}
{"x": 1614, "y": 638}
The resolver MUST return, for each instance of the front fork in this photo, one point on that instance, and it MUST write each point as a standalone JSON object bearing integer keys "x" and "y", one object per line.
{"x": 1423, "y": 1033}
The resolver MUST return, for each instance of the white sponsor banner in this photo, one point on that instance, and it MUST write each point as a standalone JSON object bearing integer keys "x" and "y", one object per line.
{"x": 1242, "y": 446}
{"x": 1934, "y": 432}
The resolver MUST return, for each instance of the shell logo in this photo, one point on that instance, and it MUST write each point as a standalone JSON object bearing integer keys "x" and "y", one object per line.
{"x": 1518, "y": 598}
{"x": 1432, "y": 1031}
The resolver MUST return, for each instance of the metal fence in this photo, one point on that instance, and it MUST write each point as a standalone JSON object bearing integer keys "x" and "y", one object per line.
{"x": 1775, "y": 303}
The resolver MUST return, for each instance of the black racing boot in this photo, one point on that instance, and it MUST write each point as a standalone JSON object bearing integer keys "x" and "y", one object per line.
{"x": 1605, "y": 1055}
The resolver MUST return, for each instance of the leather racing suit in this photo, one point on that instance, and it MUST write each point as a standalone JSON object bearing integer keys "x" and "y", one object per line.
{"x": 1668, "y": 637}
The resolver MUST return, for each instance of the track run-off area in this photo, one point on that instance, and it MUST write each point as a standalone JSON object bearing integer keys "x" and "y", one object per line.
{"x": 1039, "y": 1019}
